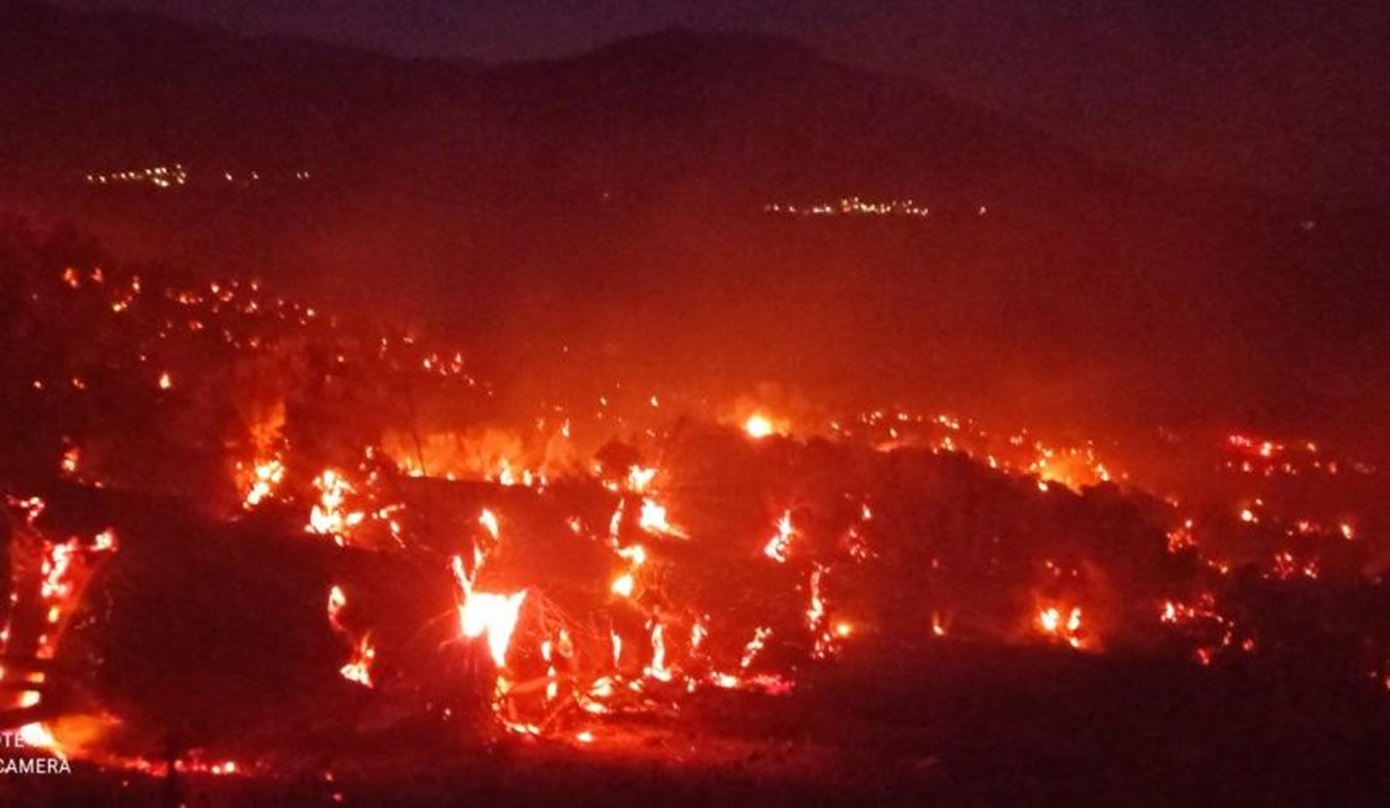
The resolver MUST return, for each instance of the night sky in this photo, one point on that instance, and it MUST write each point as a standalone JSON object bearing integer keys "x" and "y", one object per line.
{"x": 1285, "y": 95}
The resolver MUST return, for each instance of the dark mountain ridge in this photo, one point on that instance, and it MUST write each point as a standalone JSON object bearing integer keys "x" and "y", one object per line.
{"x": 118, "y": 88}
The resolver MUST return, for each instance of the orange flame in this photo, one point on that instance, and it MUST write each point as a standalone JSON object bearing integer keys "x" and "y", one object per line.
{"x": 758, "y": 426}
{"x": 329, "y": 517}
{"x": 776, "y": 547}
{"x": 494, "y": 616}
{"x": 358, "y": 668}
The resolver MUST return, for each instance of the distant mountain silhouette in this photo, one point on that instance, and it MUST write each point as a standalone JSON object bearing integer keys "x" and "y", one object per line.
{"x": 674, "y": 109}
{"x": 122, "y": 89}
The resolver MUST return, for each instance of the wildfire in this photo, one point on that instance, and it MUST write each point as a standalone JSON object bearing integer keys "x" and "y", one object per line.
{"x": 71, "y": 458}
{"x": 358, "y": 668}
{"x": 653, "y": 520}
{"x": 626, "y": 593}
{"x": 489, "y": 522}
{"x": 623, "y": 585}
{"x": 266, "y": 476}
{"x": 328, "y": 517}
{"x": 758, "y": 426}
{"x": 638, "y": 478}
{"x": 776, "y": 547}
{"x": 483, "y": 614}
{"x": 38, "y": 736}
{"x": 816, "y": 617}
{"x": 337, "y": 601}
{"x": 552, "y": 683}
{"x": 1052, "y": 624}
{"x": 626, "y": 583}
{"x": 754, "y": 647}
{"x": 1180, "y": 538}
{"x": 64, "y": 570}
{"x": 57, "y": 583}
{"x": 657, "y": 669}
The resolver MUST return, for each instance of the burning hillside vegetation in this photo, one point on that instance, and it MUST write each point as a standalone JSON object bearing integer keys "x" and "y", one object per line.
{"x": 247, "y": 538}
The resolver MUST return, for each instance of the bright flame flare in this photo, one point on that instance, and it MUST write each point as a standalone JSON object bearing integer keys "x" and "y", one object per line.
{"x": 493, "y": 616}
{"x": 776, "y": 547}
{"x": 758, "y": 426}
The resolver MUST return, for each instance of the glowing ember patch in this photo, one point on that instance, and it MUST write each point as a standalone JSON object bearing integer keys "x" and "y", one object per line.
{"x": 653, "y": 519}
{"x": 657, "y": 669}
{"x": 71, "y": 456}
{"x": 698, "y": 633}
{"x": 602, "y": 688}
{"x": 265, "y": 478}
{"x": 823, "y": 640}
{"x": 165, "y": 381}
{"x": 552, "y": 684}
{"x": 639, "y": 478}
{"x": 816, "y": 611}
{"x": 776, "y": 547}
{"x": 754, "y": 646}
{"x": 336, "y": 601}
{"x": 56, "y": 582}
{"x": 1181, "y": 538}
{"x": 104, "y": 541}
{"x": 1053, "y": 623}
{"x": 615, "y": 523}
{"x": 359, "y": 668}
{"x": 329, "y": 517}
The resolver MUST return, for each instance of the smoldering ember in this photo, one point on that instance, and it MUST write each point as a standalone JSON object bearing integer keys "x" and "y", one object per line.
{"x": 698, "y": 419}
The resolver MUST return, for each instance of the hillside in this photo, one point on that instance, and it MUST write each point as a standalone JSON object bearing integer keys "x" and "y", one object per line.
{"x": 633, "y": 202}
